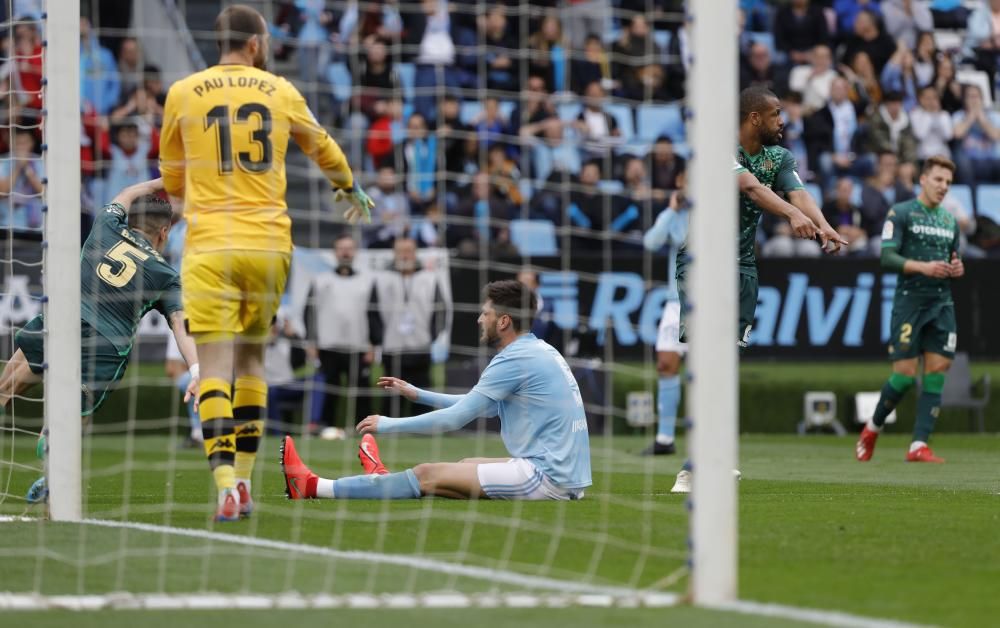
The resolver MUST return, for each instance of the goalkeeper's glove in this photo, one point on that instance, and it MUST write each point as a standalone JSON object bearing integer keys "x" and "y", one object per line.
{"x": 361, "y": 203}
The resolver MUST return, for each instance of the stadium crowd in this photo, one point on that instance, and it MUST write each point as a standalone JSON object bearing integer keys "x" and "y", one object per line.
{"x": 529, "y": 127}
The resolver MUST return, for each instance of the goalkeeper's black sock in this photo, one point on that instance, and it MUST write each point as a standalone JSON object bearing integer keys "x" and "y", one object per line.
{"x": 250, "y": 413}
{"x": 218, "y": 430}
{"x": 892, "y": 392}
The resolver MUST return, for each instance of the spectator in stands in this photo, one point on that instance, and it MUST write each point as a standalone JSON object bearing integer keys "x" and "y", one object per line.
{"x": 966, "y": 225}
{"x": 344, "y": 327}
{"x": 130, "y": 66}
{"x": 595, "y": 66}
{"x": 451, "y": 138}
{"x": 21, "y": 182}
{"x": 931, "y": 125}
{"x": 813, "y": 81}
{"x": 637, "y": 206}
{"x": 982, "y": 37}
{"x": 868, "y": 37}
{"x": 312, "y": 47}
{"x": 589, "y": 208}
{"x": 375, "y": 78}
{"x": 481, "y": 218}
{"x": 420, "y": 159}
{"x": 780, "y": 242}
{"x": 905, "y": 19}
{"x": 585, "y": 16}
{"x": 490, "y": 123}
{"x": 798, "y": 28}
{"x": 950, "y": 14}
{"x": 665, "y": 165}
{"x": 925, "y": 56}
{"x": 757, "y": 68}
{"x": 848, "y": 10}
{"x": 392, "y": 210}
{"x": 504, "y": 176}
{"x": 638, "y": 186}
{"x": 899, "y": 75}
{"x": 889, "y": 130}
{"x": 977, "y": 133}
{"x": 284, "y": 391}
{"x": 28, "y": 74}
{"x": 144, "y": 105}
{"x": 793, "y": 136}
{"x": 428, "y": 30}
{"x": 129, "y": 159}
{"x": 865, "y": 88}
{"x": 881, "y": 192}
{"x": 414, "y": 314}
{"x": 596, "y": 126}
{"x": 501, "y": 48}
{"x": 835, "y": 129}
{"x": 99, "y": 83}
{"x": 547, "y": 53}
{"x": 534, "y": 110}
{"x": 635, "y": 49}
{"x": 386, "y": 132}
{"x": 848, "y": 219}
{"x": 947, "y": 85}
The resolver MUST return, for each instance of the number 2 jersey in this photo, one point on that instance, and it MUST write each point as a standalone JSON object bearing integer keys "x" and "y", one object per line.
{"x": 122, "y": 277}
{"x": 222, "y": 147}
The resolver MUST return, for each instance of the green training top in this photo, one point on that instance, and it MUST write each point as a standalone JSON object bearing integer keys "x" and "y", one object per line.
{"x": 774, "y": 167}
{"x": 924, "y": 234}
{"x": 122, "y": 277}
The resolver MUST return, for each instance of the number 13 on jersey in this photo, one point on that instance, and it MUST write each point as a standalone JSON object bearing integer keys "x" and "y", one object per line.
{"x": 252, "y": 119}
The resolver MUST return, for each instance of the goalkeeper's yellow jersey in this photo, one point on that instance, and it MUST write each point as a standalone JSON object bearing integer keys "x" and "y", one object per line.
{"x": 222, "y": 148}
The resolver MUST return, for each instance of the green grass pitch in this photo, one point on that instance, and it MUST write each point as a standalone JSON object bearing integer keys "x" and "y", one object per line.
{"x": 817, "y": 529}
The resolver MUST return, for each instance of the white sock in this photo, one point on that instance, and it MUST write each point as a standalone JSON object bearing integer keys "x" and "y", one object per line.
{"x": 917, "y": 444}
{"x": 663, "y": 439}
{"x": 871, "y": 425}
{"x": 324, "y": 489}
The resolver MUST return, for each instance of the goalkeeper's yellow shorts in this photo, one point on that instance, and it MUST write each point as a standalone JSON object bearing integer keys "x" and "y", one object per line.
{"x": 233, "y": 293}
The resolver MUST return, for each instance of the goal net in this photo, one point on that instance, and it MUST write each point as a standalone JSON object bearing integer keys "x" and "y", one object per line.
{"x": 536, "y": 141}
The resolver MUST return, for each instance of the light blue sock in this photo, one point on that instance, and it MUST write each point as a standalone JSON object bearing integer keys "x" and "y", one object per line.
{"x": 403, "y": 485}
{"x": 193, "y": 419}
{"x": 667, "y": 399}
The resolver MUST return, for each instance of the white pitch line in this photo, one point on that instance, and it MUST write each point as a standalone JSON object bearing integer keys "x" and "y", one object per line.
{"x": 567, "y": 593}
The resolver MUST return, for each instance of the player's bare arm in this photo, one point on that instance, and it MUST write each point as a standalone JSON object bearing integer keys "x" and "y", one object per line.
{"x": 189, "y": 351}
{"x": 126, "y": 197}
{"x": 829, "y": 238}
{"x": 802, "y": 226}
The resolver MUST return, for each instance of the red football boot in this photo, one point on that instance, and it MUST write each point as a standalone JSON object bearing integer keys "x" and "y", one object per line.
{"x": 866, "y": 445}
{"x": 923, "y": 454}
{"x": 368, "y": 455}
{"x": 300, "y": 482}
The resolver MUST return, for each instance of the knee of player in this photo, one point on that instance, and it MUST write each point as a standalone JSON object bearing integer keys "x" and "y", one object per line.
{"x": 425, "y": 475}
{"x": 667, "y": 364}
{"x": 907, "y": 369}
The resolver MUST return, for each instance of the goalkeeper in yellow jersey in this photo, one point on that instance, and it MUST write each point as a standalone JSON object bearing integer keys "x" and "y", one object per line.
{"x": 222, "y": 149}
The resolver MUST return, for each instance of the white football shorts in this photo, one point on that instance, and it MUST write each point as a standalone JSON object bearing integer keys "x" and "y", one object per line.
{"x": 668, "y": 336}
{"x": 519, "y": 479}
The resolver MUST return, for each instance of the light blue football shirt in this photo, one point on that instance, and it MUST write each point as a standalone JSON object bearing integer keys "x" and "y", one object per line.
{"x": 541, "y": 411}
{"x": 670, "y": 228}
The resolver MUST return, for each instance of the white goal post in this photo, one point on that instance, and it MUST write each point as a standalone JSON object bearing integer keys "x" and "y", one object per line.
{"x": 62, "y": 258}
{"x": 714, "y": 390}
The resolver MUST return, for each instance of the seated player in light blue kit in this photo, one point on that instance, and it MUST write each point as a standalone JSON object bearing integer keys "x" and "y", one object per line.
{"x": 527, "y": 384}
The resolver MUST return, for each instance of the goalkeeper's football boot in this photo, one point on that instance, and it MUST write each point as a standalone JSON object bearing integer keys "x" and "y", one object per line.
{"x": 683, "y": 482}
{"x": 866, "y": 445}
{"x": 246, "y": 500}
{"x": 39, "y": 492}
{"x": 229, "y": 505}
{"x": 300, "y": 482}
{"x": 369, "y": 457}
{"x": 923, "y": 454}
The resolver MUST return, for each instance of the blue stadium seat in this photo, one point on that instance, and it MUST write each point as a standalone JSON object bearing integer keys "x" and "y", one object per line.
{"x": 816, "y": 192}
{"x": 963, "y": 194}
{"x": 541, "y": 157}
{"x": 763, "y": 38}
{"x": 527, "y": 188}
{"x": 469, "y": 109}
{"x": 988, "y": 201}
{"x": 407, "y": 73}
{"x": 569, "y": 111}
{"x": 340, "y": 78}
{"x": 662, "y": 39}
{"x": 653, "y": 121}
{"x": 535, "y": 238}
{"x": 610, "y": 186}
{"x": 624, "y": 117}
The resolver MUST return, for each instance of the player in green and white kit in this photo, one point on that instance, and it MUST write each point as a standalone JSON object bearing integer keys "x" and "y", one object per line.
{"x": 920, "y": 242}
{"x": 122, "y": 276}
{"x": 762, "y": 168}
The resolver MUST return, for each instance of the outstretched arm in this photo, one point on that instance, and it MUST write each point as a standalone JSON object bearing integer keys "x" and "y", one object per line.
{"x": 802, "y": 226}
{"x": 126, "y": 197}
{"x": 804, "y": 201}
{"x": 418, "y": 395}
{"x": 472, "y": 406}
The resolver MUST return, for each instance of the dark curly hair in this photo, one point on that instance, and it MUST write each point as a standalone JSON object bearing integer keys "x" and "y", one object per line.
{"x": 514, "y": 299}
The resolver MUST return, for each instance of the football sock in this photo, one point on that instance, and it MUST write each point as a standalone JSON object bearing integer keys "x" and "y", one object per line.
{"x": 250, "y": 413}
{"x": 928, "y": 406}
{"x": 892, "y": 392}
{"x": 667, "y": 399}
{"x": 403, "y": 485}
{"x": 917, "y": 444}
{"x": 218, "y": 430}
